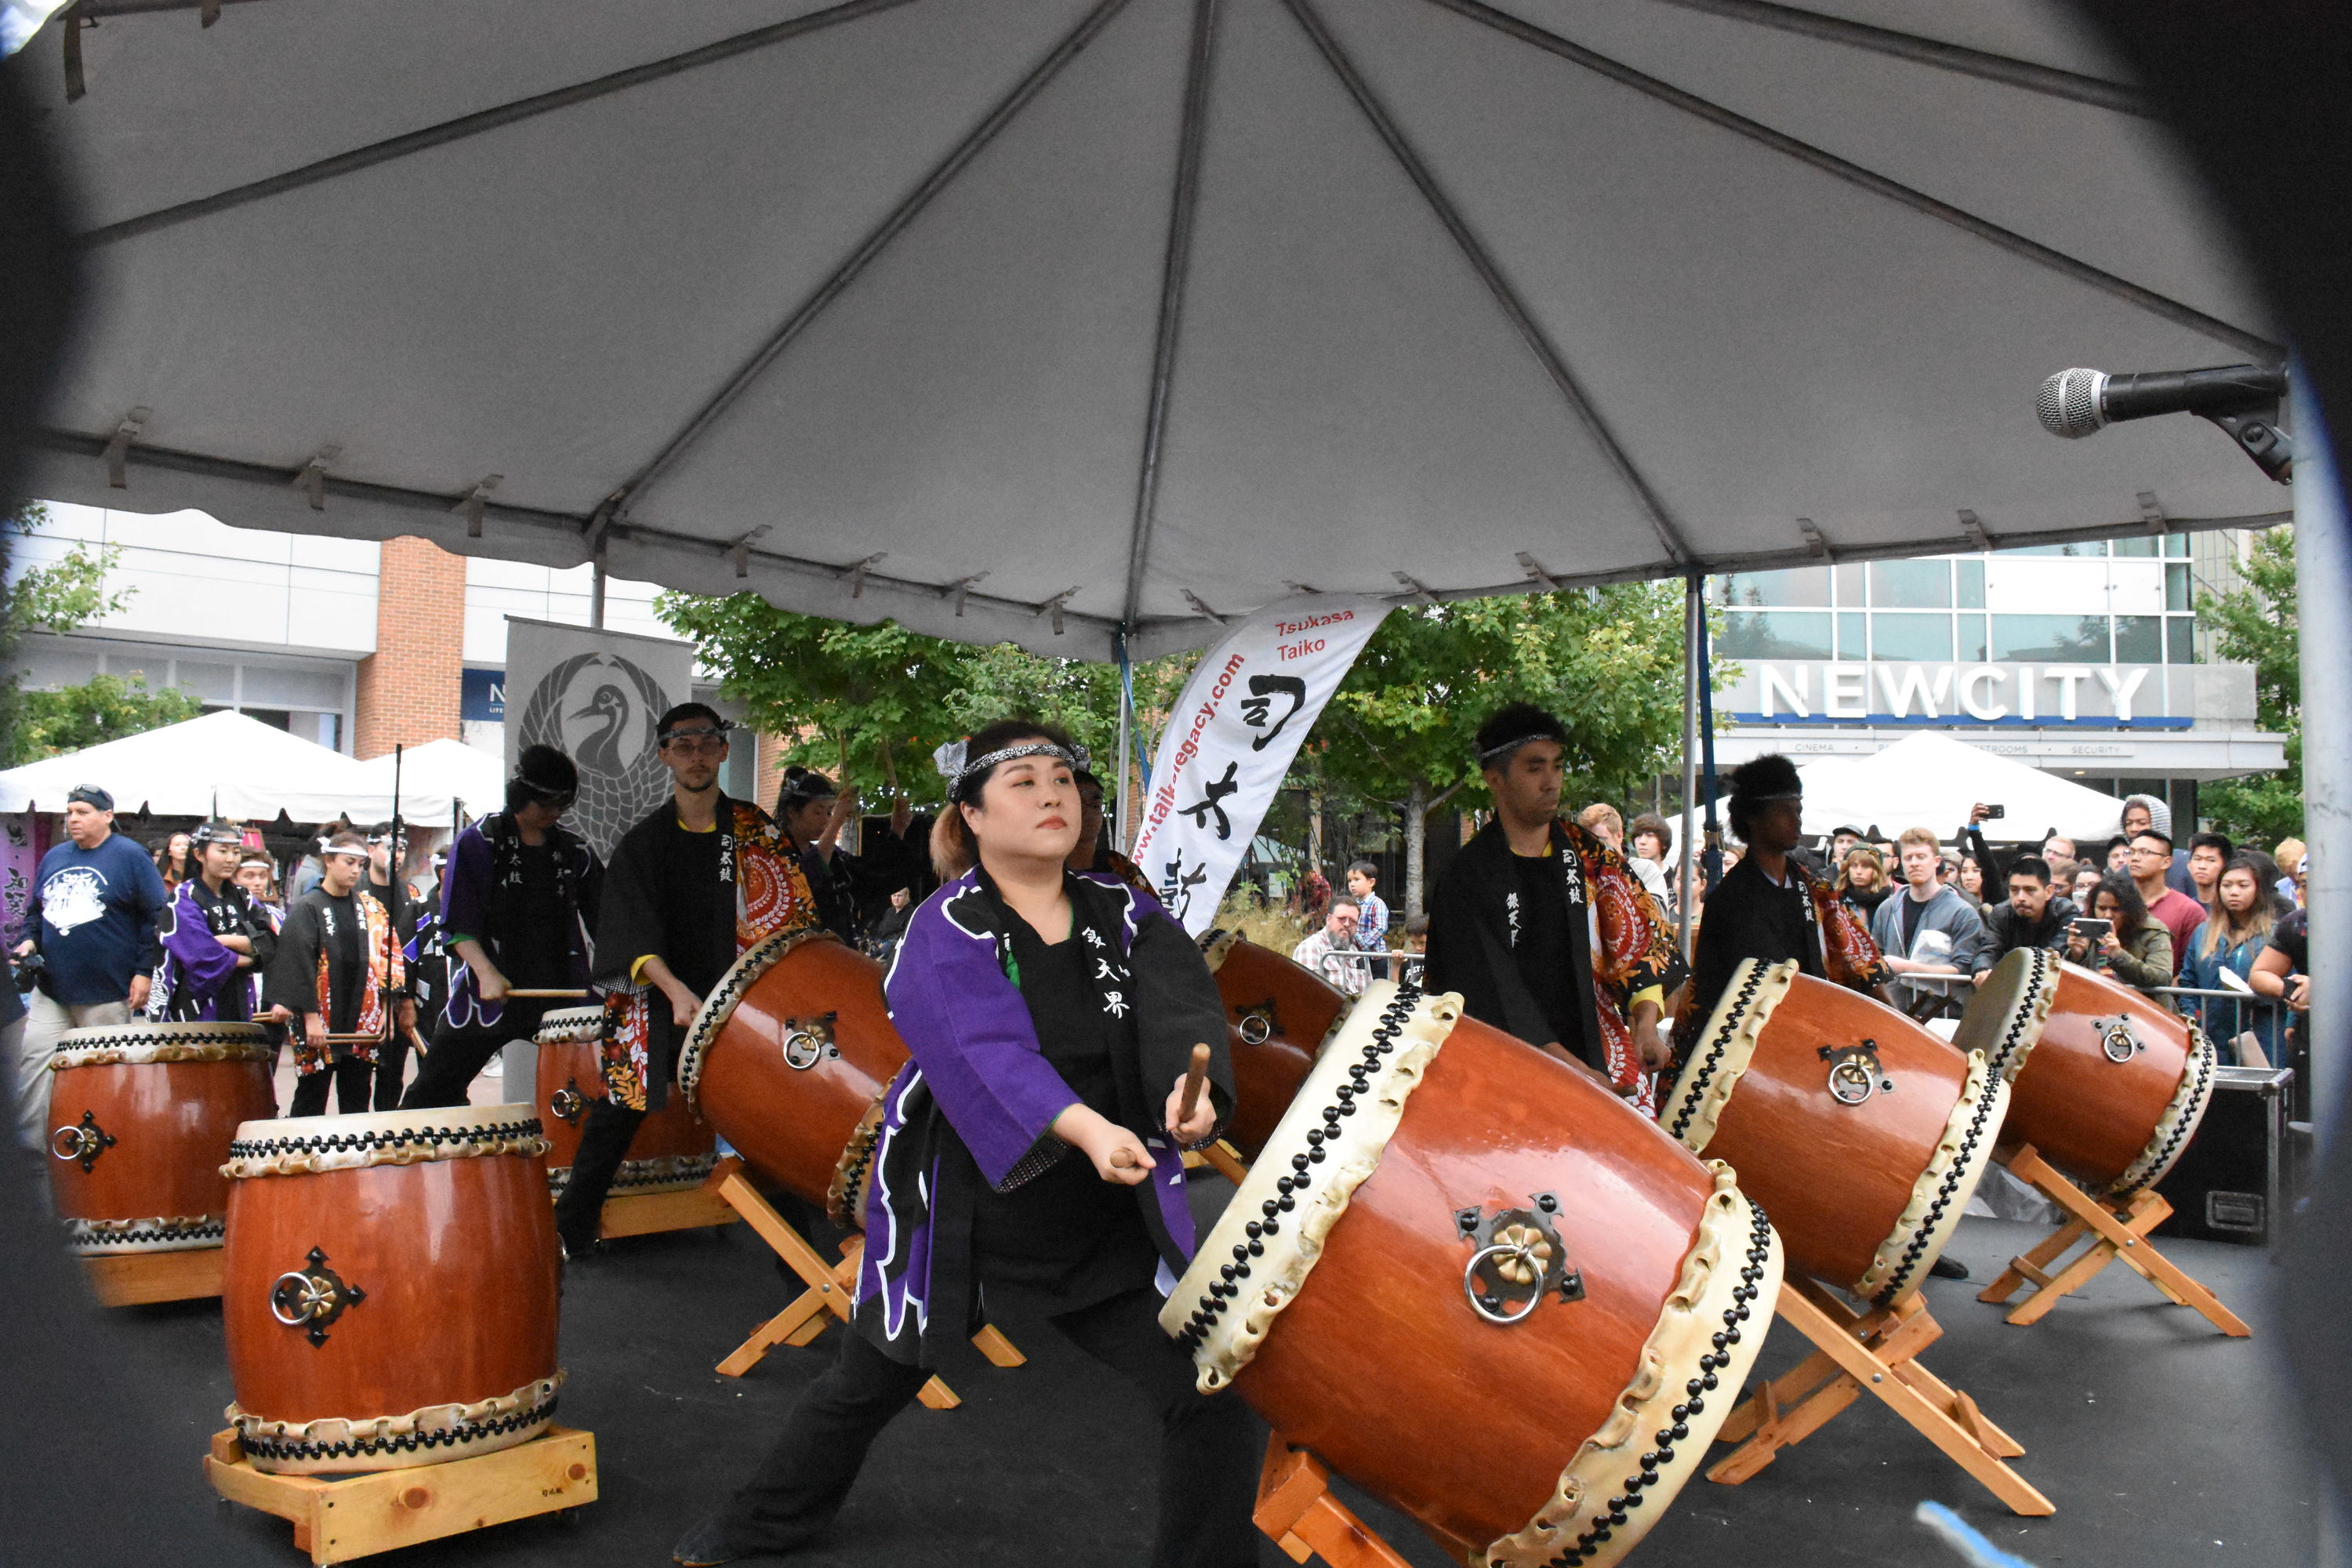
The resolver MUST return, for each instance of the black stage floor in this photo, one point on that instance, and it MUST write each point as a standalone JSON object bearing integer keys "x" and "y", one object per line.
{"x": 2160, "y": 1441}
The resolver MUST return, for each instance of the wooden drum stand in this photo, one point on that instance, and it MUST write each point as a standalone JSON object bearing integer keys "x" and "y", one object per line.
{"x": 2121, "y": 1230}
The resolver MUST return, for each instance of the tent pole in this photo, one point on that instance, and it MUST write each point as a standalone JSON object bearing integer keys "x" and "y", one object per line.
{"x": 1126, "y": 740}
{"x": 596, "y": 595}
{"x": 1693, "y": 606}
{"x": 2323, "y": 561}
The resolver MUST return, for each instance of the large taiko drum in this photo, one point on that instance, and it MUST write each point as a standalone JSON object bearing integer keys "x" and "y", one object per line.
{"x": 673, "y": 1149}
{"x": 789, "y": 1059}
{"x": 389, "y": 1296}
{"x": 1863, "y": 1134}
{"x": 140, "y": 1116}
{"x": 1483, "y": 1288}
{"x": 1278, "y": 1015}
{"x": 2105, "y": 1085}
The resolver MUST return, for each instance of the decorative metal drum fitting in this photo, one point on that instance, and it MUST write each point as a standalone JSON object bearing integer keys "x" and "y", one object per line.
{"x": 312, "y": 1297}
{"x": 808, "y": 1041}
{"x": 567, "y": 1104}
{"x": 1855, "y": 1072}
{"x": 1258, "y": 1023}
{"x": 1520, "y": 1259}
{"x": 2117, "y": 1039}
{"x": 85, "y": 1142}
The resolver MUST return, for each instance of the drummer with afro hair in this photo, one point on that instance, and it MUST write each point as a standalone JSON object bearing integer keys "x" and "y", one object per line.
{"x": 1544, "y": 928}
{"x": 1770, "y": 906}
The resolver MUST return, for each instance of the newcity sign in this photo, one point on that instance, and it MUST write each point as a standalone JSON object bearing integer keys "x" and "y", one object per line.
{"x": 2095, "y": 696}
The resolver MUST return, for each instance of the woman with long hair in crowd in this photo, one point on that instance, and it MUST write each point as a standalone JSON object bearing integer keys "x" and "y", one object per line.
{"x": 2134, "y": 949}
{"x": 1862, "y": 881}
{"x": 2232, "y": 937}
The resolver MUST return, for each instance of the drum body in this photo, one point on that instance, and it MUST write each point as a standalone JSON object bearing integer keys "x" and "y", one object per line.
{"x": 1479, "y": 1285}
{"x": 2105, "y": 1085}
{"x": 673, "y": 1148}
{"x": 141, "y": 1117}
{"x": 1278, "y": 1015}
{"x": 388, "y": 1293}
{"x": 1861, "y": 1133}
{"x": 789, "y": 1059}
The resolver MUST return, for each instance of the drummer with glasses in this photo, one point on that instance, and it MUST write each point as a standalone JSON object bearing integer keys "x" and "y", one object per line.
{"x": 1031, "y": 1148}
{"x": 520, "y": 896}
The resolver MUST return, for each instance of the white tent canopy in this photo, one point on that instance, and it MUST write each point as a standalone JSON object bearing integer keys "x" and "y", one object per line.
{"x": 1037, "y": 319}
{"x": 443, "y": 770}
{"x": 1931, "y": 780}
{"x": 222, "y": 762}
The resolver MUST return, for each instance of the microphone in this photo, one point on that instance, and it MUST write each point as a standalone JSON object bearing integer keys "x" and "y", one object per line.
{"x": 2243, "y": 399}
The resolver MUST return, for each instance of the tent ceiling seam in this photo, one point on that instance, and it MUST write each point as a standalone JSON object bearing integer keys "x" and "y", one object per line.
{"x": 1183, "y": 202}
{"x": 477, "y": 123}
{"x": 1490, "y": 273}
{"x": 2005, "y": 69}
{"x": 894, "y": 223}
{"x": 1853, "y": 174}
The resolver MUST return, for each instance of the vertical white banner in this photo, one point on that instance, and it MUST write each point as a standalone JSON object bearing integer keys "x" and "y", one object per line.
{"x": 595, "y": 695}
{"x": 1230, "y": 740}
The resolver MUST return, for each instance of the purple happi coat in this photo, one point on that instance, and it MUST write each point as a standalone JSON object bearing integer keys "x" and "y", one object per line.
{"x": 198, "y": 980}
{"x": 978, "y": 1077}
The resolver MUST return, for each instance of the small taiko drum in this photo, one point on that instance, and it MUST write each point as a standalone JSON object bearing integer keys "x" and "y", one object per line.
{"x": 2105, "y": 1085}
{"x": 788, "y": 1059}
{"x": 141, "y": 1117}
{"x": 1863, "y": 1134}
{"x": 1483, "y": 1288}
{"x": 673, "y": 1148}
{"x": 389, "y": 1295}
{"x": 1278, "y": 1015}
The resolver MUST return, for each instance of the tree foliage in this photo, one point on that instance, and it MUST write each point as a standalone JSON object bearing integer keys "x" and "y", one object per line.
{"x": 2256, "y": 624}
{"x": 107, "y": 708}
{"x": 68, "y": 592}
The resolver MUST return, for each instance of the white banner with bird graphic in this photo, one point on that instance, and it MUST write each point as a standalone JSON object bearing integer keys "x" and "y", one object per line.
{"x": 596, "y": 695}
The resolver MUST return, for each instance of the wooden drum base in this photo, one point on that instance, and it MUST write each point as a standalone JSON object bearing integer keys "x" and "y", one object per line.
{"x": 339, "y": 1518}
{"x": 137, "y": 1278}
{"x": 2119, "y": 1229}
{"x": 643, "y": 1214}
{"x": 1296, "y": 1511}
{"x": 831, "y": 1287}
{"x": 1872, "y": 1353}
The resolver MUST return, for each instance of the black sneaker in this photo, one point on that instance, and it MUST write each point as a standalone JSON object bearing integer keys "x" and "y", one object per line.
{"x": 704, "y": 1545}
{"x": 1950, "y": 1268}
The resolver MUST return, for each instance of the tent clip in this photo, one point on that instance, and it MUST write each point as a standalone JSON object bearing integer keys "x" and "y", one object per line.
{"x": 1299, "y": 587}
{"x": 742, "y": 547}
{"x": 1536, "y": 575}
{"x": 118, "y": 449}
{"x": 313, "y": 479}
{"x": 855, "y": 572}
{"x": 959, "y": 589}
{"x": 2151, "y": 513}
{"x": 1201, "y": 606}
{"x": 470, "y": 503}
{"x": 1974, "y": 530}
{"x": 1056, "y": 606}
{"x": 1815, "y": 540}
{"x": 1419, "y": 587}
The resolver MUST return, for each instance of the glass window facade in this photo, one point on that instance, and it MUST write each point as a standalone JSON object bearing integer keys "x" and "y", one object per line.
{"x": 1936, "y": 609}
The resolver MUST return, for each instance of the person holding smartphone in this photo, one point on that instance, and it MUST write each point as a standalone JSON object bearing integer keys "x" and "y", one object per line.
{"x": 2121, "y": 938}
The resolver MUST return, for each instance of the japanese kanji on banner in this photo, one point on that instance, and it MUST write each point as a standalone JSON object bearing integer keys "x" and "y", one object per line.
{"x": 1231, "y": 739}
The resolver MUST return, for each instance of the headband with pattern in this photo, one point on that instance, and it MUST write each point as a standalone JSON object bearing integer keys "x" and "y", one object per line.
{"x": 961, "y": 771}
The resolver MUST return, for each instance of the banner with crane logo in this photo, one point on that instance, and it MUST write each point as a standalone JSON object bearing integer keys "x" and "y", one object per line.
{"x": 596, "y": 695}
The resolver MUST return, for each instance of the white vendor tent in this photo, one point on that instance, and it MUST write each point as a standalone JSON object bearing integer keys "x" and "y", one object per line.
{"x": 225, "y": 762}
{"x": 1047, "y": 319}
{"x": 1930, "y": 780}
{"x": 446, "y": 770}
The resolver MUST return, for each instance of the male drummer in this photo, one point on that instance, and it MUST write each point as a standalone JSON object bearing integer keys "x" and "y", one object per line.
{"x": 519, "y": 900}
{"x": 1542, "y": 926}
{"x": 688, "y": 888}
{"x": 338, "y": 971}
{"x": 213, "y": 940}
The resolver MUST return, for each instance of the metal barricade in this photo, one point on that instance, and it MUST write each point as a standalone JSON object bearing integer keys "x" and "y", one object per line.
{"x": 2228, "y": 1017}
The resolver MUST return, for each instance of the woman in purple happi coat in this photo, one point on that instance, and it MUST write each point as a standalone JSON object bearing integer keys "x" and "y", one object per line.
{"x": 214, "y": 940}
{"x": 1031, "y": 1149}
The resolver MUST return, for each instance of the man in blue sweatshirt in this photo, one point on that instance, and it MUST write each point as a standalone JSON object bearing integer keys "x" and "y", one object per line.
{"x": 92, "y": 918}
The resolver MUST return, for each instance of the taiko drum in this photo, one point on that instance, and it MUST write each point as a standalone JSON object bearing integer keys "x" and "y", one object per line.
{"x": 389, "y": 1290}
{"x": 672, "y": 1149}
{"x": 1278, "y": 1015}
{"x": 2105, "y": 1084}
{"x": 1480, "y": 1286}
{"x": 1862, "y": 1134}
{"x": 141, "y": 1117}
{"x": 789, "y": 1059}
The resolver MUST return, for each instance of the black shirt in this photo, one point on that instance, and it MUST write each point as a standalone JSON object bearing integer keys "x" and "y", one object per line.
{"x": 699, "y": 952}
{"x": 1065, "y": 1237}
{"x": 1540, "y": 946}
{"x": 1750, "y": 916}
{"x": 536, "y": 949}
{"x": 2292, "y": 936}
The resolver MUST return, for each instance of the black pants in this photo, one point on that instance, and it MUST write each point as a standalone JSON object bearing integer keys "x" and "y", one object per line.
{"x": 390, "y": 1067}
{"x": 351, "y": 1078}
{"x": 460, "y": 1054}
{"x": 1208, "y": 1445}
{"x": 604, "y": 1142}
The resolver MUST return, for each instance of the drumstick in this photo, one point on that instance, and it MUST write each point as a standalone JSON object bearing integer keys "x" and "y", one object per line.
{"x": 521, "y": 991}
{"x": 1193, "y": 1079}
{"x": 1122, "y": 1159}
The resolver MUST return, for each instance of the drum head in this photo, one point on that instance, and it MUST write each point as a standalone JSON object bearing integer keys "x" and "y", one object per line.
{"x": 381, "y": 1129}
{"x": 563, "y": 1026}
{"x": 140, "y": 1041}
{"x": 2005, "y": 1018}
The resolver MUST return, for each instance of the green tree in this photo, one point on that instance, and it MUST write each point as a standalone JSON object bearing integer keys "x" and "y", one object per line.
{"x": 2256, "y": 624}
{"x": 69, "y": 591}
{"x": 108, "y": 707}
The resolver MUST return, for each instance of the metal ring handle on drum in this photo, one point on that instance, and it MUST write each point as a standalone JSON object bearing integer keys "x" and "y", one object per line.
{"x": 85, "y": 1142}
{"x": 1256, "y": 1028}
{"x": 567, "y": 1104}
{"x": 1470, "y": 1282}
{"x": 312, "y": 1297}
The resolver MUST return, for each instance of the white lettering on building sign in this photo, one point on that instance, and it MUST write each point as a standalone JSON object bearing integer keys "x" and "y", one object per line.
{"x": 1984, "y": 692}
